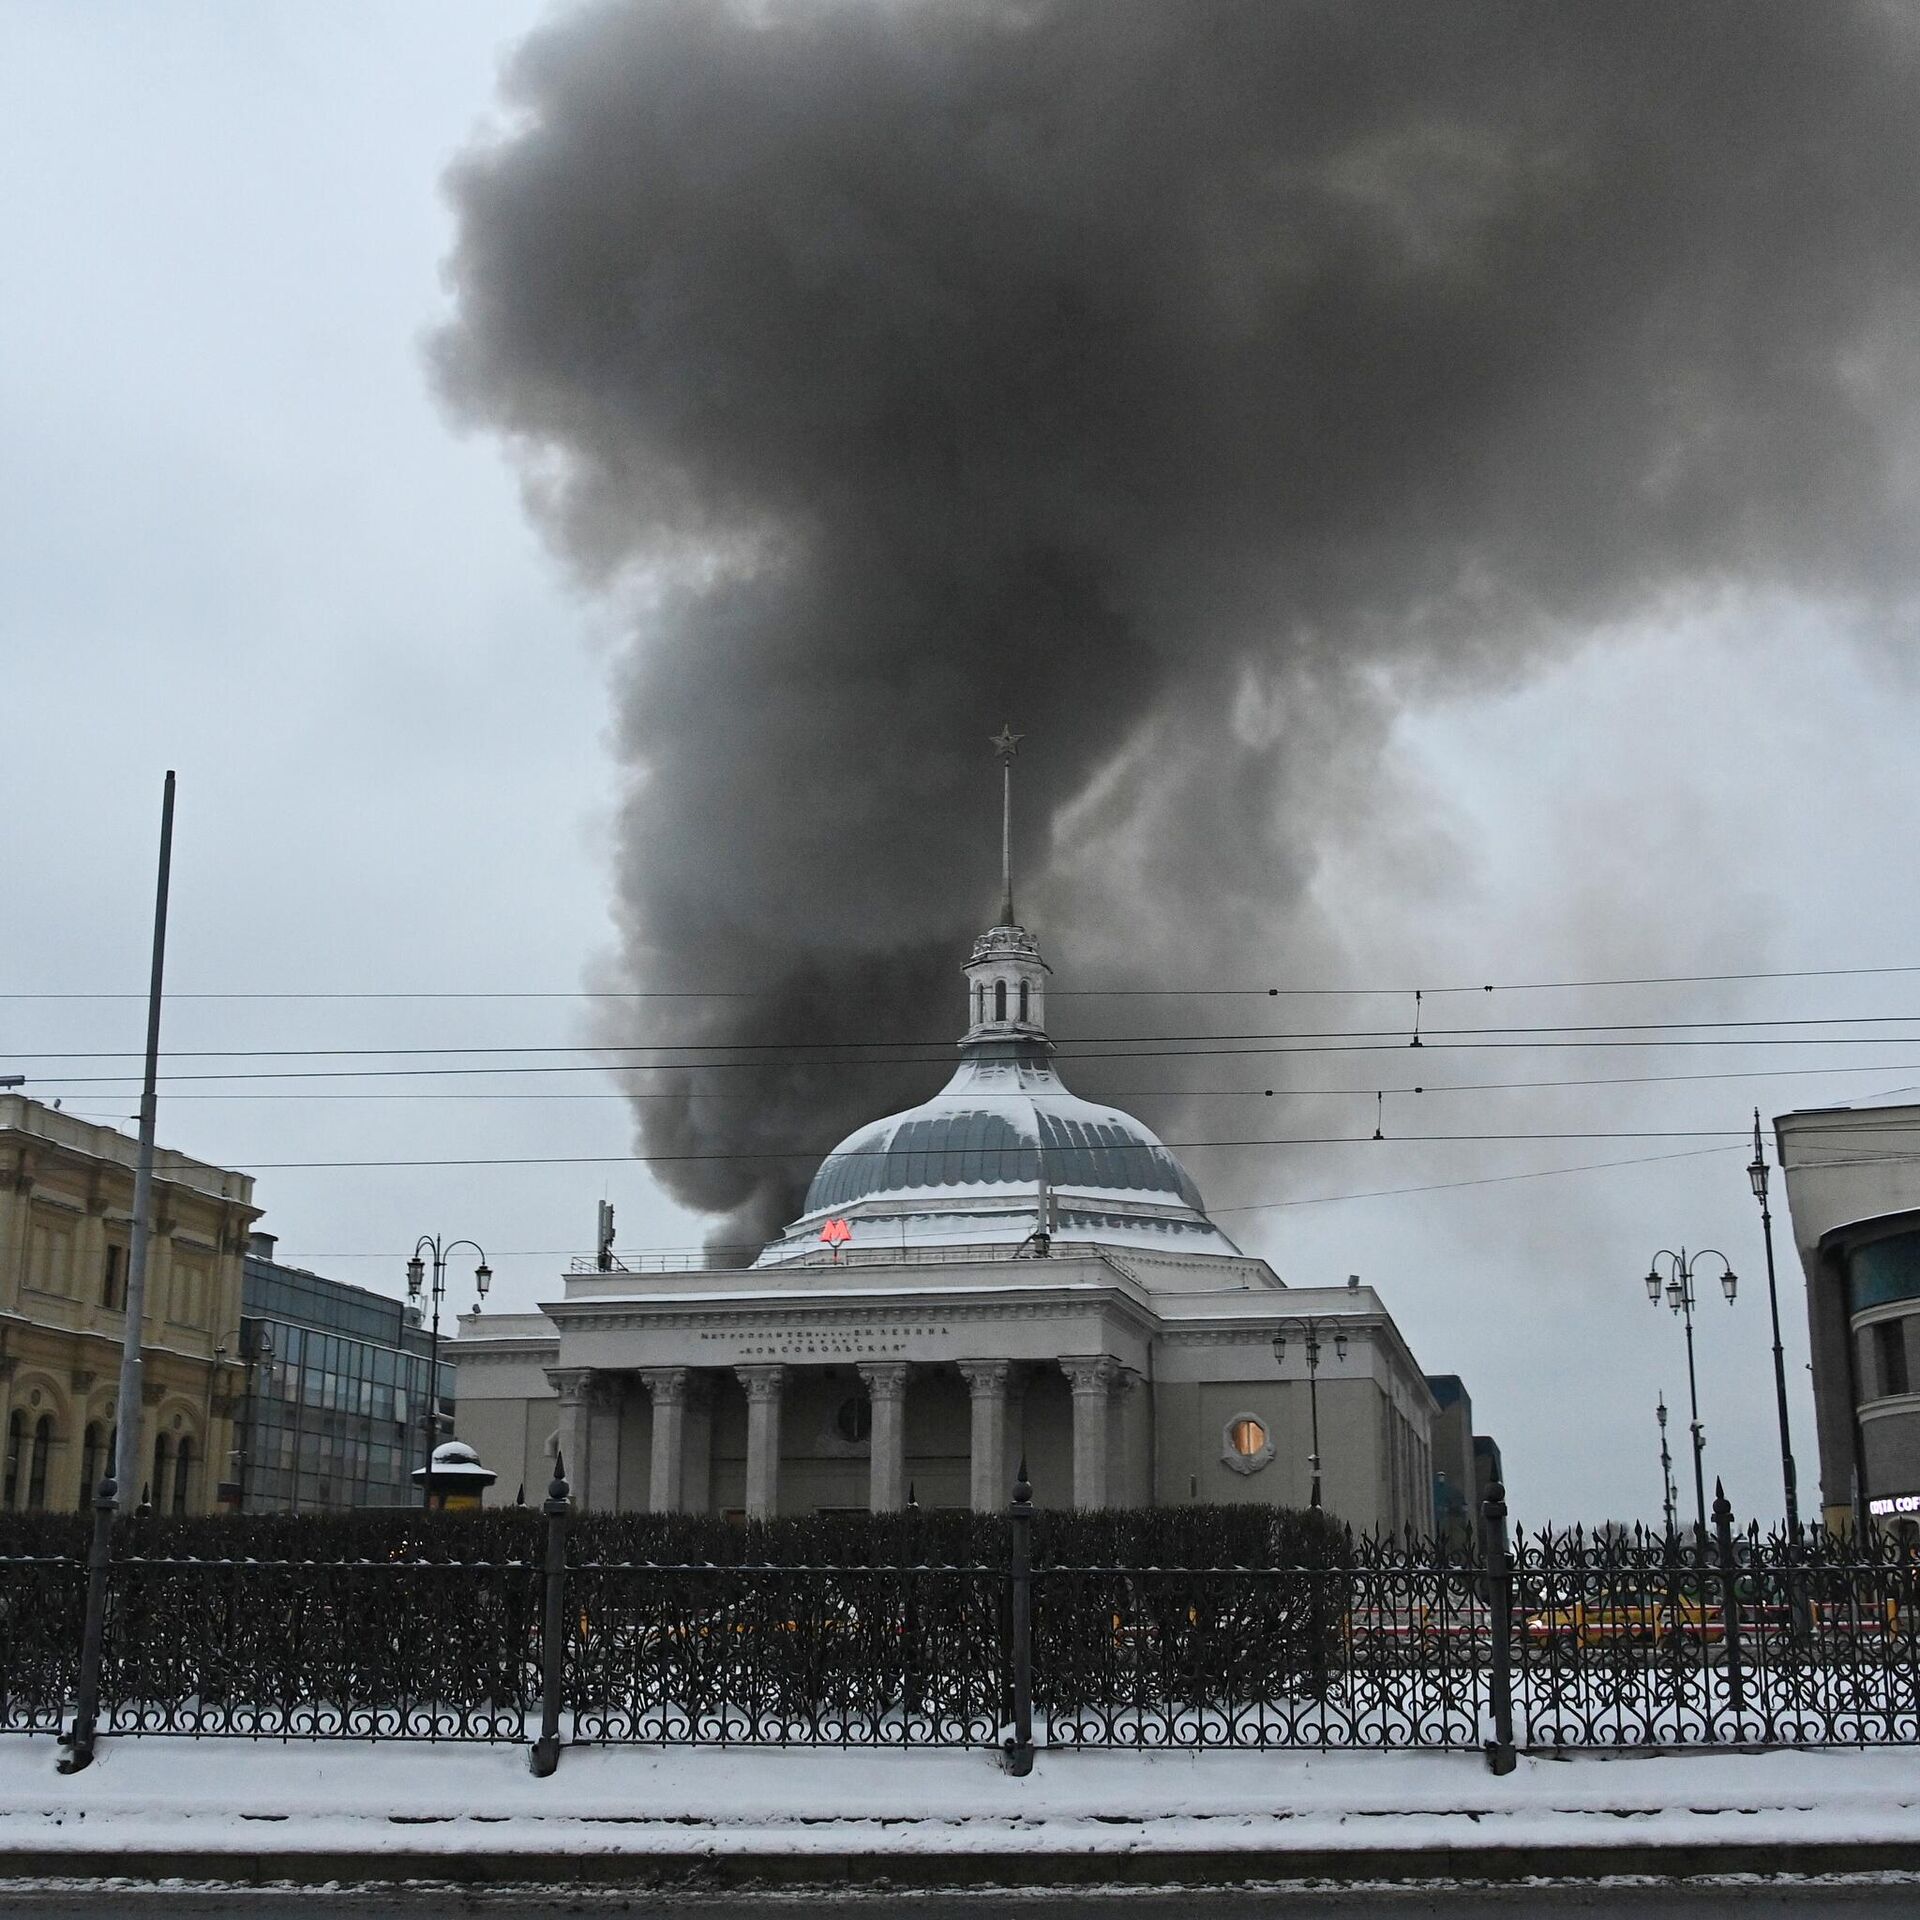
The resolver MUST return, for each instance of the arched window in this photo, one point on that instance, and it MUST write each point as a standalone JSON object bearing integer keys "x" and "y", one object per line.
{"x": 999, "y": 999}
{"x": 182, "y": 1473}
{"x": 1023, "y": 999}
{"x": 157, "y": 1487}
{"x": 89, "y": 1463}
{"x": 37, "y": 1471}
{"x": 16, "y": 1433}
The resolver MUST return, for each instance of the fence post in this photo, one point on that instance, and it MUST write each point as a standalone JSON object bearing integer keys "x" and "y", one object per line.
{"x": 1019, "y": 1750}
{"x": 1729, "y": 1601}
{"x": 86, "y": 1704}
{"x": 1493, "y": 1511}
{"x": 553, "y": 1639}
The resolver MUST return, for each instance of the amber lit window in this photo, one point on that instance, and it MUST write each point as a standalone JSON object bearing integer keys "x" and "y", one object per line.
{"x": 1247, "y": 1437}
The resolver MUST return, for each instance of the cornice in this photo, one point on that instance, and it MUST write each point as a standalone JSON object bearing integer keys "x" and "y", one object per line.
{"x": 880, "y": 1318}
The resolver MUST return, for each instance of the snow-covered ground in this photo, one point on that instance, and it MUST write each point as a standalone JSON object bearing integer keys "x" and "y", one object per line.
{"x": 161, "y": 1796}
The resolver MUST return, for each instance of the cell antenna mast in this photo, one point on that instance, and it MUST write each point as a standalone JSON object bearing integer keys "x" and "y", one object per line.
{"x": 126, "y": 1465}
{"x": 1006, "y": 743}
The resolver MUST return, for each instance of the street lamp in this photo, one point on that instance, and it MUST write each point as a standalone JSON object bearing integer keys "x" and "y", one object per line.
{"x": 1666, "y": 1461}
{"x": 1677, "y": 1284}
{"x": 416, "y": 1279}
{"x": 1311, "y": 1326}
{"x": 1757, "y": 1179}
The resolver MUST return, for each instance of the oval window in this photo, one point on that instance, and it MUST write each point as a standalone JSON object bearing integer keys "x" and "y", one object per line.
{"x": 854, "y": 1421}
{"x": 1247, "y": 1437}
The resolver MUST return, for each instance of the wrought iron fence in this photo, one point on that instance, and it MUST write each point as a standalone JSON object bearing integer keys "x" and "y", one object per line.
{"x": 43, "y": 1603}
{"x": 1555, "y": 1641}
{"x": 787, "y": 1656}
{"x": 1645, "y": 1641}
{"x": 1385, "y": 1649}
{"x": 294, "y": 1650}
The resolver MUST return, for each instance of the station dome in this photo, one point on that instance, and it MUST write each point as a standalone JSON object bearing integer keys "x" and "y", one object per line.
{"x": 1005, "y": 1155}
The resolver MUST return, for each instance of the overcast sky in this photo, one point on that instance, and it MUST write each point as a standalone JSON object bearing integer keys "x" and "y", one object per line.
{"x": 240, "y": 536}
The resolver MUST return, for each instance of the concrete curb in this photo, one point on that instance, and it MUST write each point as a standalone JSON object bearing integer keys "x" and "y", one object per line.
{"x": 697, "y": 1868}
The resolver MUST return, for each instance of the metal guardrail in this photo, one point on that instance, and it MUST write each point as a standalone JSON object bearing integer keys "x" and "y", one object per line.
{"x": 718, "y": 1260}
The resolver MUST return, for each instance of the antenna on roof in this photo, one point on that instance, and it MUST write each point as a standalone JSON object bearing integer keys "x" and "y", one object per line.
{"x": 603, "y": 1259}
{"x": 1006, "y": 743}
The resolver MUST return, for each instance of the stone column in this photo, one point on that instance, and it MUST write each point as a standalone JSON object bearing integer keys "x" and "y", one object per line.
{"x": 65, "y": 1492}
{"x": 1091, "y": 1376}
{"x": 90, "y": 1251}
{"x": 1133, "y": 1441}
{"x": 603, "y": 1442}
{"x": 987, "y": 1388}
{"x": 151, "y": 1393}
{"x": 887, "y": 1389}
{"x": 572, "y": 1385}
{"x": 8, "y": 1365}
{"x": 667, "y": 1470}
{"x": 763, "y": 1386}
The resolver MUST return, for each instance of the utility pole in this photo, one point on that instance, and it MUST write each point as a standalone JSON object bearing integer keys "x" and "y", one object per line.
{"x": 126, "y": 1465}
{"x": 1757, "y": 1177}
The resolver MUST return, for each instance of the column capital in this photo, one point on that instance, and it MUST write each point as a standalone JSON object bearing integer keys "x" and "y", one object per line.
{"x": 670, "y": 1386}
{"x": 762, "y": 1382}
{"x": 1092, "y": 1373}
{"x": 986, "y": 1377}
{"x": 570, "y": 1384}
{"x": 886, "y": 1379}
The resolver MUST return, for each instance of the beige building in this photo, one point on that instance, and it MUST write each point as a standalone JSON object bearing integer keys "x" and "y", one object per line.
{"x": 66, "y": 1200}
{"x": 1006, "y": 1270}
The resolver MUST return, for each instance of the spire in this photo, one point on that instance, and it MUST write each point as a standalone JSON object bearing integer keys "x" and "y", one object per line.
{"x": 1006, "y": 743}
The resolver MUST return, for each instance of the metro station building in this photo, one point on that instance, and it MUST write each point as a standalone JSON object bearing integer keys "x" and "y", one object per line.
{"x": 1005, "y": 1271}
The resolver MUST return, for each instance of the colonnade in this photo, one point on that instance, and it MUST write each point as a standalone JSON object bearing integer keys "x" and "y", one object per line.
{"x": 680, "y": 1461}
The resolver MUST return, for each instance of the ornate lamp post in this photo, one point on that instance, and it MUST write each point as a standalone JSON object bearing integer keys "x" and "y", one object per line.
{"x": 1311, "y": 1325}
{"x": 1757, "y": 1178}
{"x": 1666, "y": 1461}
{"x": 1677, "y": 1284}
{"x": 416, "y": 1278}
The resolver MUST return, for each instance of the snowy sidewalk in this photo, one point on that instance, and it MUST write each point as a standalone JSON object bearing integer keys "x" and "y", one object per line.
{"x": 320, "y": 1810}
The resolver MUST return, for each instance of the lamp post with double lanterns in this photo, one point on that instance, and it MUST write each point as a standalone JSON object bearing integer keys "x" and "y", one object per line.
{"x": 416, "y": 1280}
{"x": 1311, "y": 1326}
{"x": 1677, "y": 1285}
{"x": 1757, "y": 1178}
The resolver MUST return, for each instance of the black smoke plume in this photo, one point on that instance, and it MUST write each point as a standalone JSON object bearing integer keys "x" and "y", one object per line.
{"x": 1191, "y": 381}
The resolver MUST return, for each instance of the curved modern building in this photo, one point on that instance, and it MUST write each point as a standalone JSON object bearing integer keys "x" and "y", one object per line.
{"x": 1853, "y": 1189}
{"x": 1003, "y": 1271}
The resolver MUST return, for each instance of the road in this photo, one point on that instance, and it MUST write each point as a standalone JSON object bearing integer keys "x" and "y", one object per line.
{"x": 1850, "y": 1900}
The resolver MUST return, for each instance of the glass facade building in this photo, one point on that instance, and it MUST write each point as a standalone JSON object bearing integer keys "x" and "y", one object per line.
{"x": 334, "y": 1410}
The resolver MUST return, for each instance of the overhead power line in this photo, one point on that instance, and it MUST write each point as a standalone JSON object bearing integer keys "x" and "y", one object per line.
{"x": 1095, "y": 993}
{"x": 1481, "y": 1180}
{"x": 1196, "y": 1052}
{"x": 1401, "y": 1036}
{"x": 1115, "y": 1094}
{"x": 932, "y": 1154}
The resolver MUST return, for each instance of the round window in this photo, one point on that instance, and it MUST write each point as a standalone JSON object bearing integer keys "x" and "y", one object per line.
{"x": 1247, "y": 1437}
{"x": 854, "y": 1421}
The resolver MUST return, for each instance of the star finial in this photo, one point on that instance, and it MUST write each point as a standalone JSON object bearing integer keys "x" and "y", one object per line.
{"x": 1006, "y": 743}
